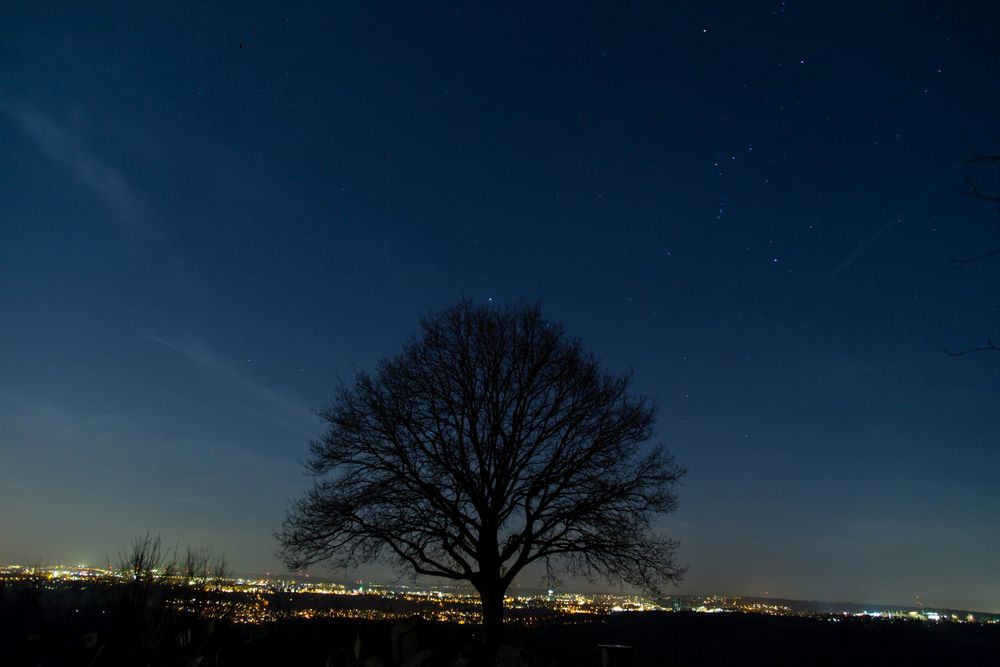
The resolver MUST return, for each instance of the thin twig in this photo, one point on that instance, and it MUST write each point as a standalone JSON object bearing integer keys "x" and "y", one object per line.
{"x": 989, "y": 347}
{"x": 974, "y": 192}
{"x": 959, "y": 262}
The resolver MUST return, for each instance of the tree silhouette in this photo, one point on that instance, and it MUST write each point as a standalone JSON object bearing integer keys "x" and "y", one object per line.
{"x": 203, "y": 565}
{"x": 987, "y": 252}
{"x": 492, "y": 441}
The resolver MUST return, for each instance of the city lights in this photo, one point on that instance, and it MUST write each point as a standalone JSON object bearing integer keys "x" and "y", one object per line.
{"x": 255, "y": 600}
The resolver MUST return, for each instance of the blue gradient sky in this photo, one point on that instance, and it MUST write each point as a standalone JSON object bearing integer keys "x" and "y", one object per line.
{"x": 208, "y": 213}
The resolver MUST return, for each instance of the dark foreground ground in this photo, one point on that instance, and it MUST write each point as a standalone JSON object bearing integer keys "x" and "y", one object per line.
{"x": 656, "y": 639}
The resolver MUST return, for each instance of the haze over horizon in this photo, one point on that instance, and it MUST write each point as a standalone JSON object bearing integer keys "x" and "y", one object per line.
{"x": 209, "y": 214}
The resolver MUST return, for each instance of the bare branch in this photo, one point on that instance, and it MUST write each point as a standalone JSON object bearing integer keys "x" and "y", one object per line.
{"x": 959, "y": 262}
{"x": 989, "y": 347}
{"x": 974, "y": 192}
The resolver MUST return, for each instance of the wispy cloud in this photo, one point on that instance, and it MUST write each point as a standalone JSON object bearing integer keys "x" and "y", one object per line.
{"x": 864, "y": 246}
{"x": 284, "y": 410}
{"x": 64, "y": 147}
{"x": 868, "y": 243}
{"x": 83, "y": 479}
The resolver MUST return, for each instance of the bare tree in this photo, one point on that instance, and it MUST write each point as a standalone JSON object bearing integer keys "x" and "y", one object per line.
{"x": 492, "y": 441}
{"x": 203, "y": 566}
{"x": 219, "y": 569}
{"x": 973, "y": 191}
{"x": 146, "y": 559}
{"x": 193, "y": 565}
{"x": 145, "y": 566}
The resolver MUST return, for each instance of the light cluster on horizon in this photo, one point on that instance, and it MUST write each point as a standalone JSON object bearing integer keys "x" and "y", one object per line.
{"x": 262, "y": 599}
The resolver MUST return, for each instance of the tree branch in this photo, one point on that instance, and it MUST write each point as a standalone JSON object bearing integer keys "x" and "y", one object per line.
{"x": 989, "y": 347}
{"x": 959, "y": 262}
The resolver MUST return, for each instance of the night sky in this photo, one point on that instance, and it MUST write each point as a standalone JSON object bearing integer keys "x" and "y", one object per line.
{"x": 210, "y": 213}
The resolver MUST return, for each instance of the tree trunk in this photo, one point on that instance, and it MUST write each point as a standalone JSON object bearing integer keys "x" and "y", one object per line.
{"x": 491, "y": 596}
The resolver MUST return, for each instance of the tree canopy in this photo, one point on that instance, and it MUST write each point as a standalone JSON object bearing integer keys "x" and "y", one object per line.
{"x": 492, "y": 441}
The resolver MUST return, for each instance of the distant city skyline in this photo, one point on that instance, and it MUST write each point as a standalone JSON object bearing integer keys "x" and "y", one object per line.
{"x": 604, "y": 600}
{"x": 209, "y": 214}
